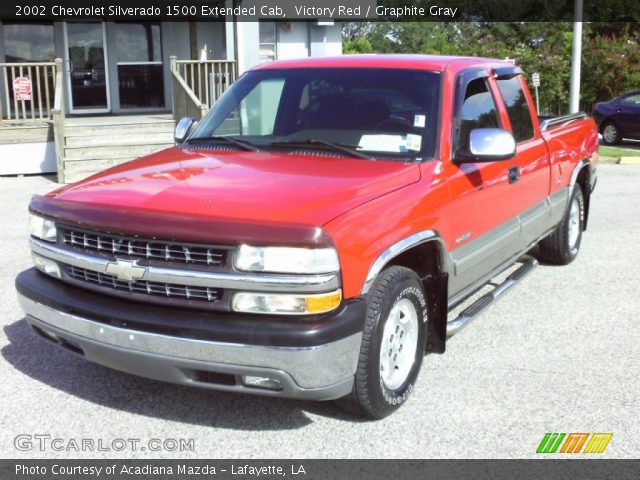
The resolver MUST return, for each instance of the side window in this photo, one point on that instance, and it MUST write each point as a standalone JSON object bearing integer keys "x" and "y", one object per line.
{"x": 632, "y": 100}
{"x": 517, "y": 108}
{"x": 478, "y": 111}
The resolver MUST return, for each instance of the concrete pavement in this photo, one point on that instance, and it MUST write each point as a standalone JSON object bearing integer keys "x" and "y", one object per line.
{"x": 558, "y": 354}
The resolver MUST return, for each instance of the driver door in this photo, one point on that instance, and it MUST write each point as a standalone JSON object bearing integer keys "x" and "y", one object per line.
{"x": 484, "y": 228}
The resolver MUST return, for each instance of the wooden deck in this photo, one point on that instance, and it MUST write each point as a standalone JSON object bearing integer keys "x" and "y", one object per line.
{"x": 25, "y": 132}
{"x": 80, "y": 121}
{"x": 92, "y": 144}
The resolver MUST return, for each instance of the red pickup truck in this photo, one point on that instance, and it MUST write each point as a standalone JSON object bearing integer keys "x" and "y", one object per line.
{"x": 328, "y": 223}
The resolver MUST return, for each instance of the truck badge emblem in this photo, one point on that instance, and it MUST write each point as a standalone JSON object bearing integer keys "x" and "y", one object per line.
{"x": 463, "y": 237}
{"x": 125, "y": 270}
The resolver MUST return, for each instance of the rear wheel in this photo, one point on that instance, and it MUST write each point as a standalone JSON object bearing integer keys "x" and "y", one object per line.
{"x": 561, "y": 247}
{"x": 393, "y": 344}
{"x": 611, "y": 133}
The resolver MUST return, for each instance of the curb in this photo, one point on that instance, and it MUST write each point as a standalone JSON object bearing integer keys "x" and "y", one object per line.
{"x": 629, "y": 161}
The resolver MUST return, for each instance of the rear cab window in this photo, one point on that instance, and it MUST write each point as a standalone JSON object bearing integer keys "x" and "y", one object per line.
{"x": 517, "y": 107}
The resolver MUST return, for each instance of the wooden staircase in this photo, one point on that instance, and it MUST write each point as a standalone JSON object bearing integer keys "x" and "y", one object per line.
{"x": 92, "y": 144}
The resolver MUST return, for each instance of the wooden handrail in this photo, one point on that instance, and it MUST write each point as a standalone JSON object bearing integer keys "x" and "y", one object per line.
{"x": 205, "y": 61}
{"x": 206, "y": 79}
{"x": 188, "y": 91}
{"x": 185, "y": 103}
{"x": 38, "y": 106}
{"x": 27, "y": 64}
{"x": 58, "y": 117}
{"x": 58, "y": 103}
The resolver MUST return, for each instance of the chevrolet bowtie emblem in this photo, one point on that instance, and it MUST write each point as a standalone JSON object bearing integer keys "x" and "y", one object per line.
{"x": 125, "y": 270}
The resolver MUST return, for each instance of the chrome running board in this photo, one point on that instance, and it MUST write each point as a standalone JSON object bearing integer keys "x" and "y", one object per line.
{"x": 478, "y": 306}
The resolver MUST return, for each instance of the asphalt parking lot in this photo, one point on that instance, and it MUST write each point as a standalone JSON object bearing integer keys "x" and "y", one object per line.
{"x": 558, "y": 354}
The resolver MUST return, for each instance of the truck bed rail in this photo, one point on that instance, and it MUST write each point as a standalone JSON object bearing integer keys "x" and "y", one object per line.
{"x": 549, "y": 123}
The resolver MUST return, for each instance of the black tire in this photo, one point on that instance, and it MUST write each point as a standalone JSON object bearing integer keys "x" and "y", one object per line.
{"x": 561, "y": 247}
{"x": 371, "y": 397}
{"x": 610, "y": 133}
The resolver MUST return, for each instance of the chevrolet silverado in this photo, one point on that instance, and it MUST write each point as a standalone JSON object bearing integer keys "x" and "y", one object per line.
{"x": 327, "y": 223}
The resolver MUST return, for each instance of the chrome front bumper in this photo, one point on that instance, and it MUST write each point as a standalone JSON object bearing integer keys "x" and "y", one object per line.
{"x": 323, "y": 372}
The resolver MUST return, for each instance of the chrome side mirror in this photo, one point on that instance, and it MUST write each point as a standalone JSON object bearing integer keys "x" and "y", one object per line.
{"x": 488, "y": 145}
{"x": 183, "y": 128}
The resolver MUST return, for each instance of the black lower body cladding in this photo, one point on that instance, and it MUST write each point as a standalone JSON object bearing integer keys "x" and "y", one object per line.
{"x": 272, "y": 330}
{"x": 311, "y": 357}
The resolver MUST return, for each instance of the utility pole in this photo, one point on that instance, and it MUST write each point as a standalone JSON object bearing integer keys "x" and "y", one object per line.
{"x": 576, "y": 58}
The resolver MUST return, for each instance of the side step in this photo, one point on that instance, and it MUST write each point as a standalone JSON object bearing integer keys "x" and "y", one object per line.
{"x": 477, "y": 307}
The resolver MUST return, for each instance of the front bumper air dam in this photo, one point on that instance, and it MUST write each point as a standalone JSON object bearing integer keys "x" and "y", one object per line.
{"x": 310, "y": 371}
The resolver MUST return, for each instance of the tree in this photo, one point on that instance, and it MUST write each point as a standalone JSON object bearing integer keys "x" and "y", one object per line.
{"x": 611, "y": 61}
{"x": 611, "y": 65}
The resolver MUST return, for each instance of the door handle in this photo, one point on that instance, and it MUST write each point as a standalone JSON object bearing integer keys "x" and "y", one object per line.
{"x": 514, "y": 174}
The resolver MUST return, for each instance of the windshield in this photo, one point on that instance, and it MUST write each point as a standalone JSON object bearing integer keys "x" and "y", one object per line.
{"x": 363, "y": 111}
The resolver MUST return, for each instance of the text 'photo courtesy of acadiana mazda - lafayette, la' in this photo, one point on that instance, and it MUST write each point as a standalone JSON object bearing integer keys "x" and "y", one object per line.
{"x": 327, "y": 223}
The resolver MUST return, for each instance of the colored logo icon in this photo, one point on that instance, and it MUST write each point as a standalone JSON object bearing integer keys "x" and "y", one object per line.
{"x": 574, "y": 443}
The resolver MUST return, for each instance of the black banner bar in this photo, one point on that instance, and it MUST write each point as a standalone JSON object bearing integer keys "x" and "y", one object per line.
{"x": 547, "y": 469}
{"x": 309, "y": 10}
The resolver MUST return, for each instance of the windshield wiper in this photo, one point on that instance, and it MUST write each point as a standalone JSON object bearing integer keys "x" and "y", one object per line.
{"x": 338, "y": 147}
{"x": 245, "y": 145}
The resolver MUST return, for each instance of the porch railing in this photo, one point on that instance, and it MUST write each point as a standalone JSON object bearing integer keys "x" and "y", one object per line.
{"x": 37, "y": 103}
{"x": 197, "y": 85}
{"x": 58, "y": 114}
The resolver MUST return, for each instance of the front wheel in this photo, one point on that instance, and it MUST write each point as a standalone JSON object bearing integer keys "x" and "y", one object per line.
{"x": 561, "y": 247}
{"x": 393, "y": 344}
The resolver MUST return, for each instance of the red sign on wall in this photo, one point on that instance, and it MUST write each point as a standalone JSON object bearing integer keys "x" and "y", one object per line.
{"x": 22, "y": 88}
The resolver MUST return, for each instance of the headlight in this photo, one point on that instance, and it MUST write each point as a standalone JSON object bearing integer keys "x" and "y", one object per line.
{"x": 288, "y": 304}
{"x": 42, "y": 228}
{"x": 287, "y": 259}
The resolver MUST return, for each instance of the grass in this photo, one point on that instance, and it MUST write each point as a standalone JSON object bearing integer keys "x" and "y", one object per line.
{"x": 613, "y": 154}
{"x": 618, "y": 152}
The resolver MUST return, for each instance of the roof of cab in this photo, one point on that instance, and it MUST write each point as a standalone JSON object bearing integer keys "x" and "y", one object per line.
{"x": 418, "y": 62}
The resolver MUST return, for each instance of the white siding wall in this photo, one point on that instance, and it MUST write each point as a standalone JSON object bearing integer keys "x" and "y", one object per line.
{"x": 332, "y": 40}
{"x": 294, "y": 40}
{"x": 248, "y": 38}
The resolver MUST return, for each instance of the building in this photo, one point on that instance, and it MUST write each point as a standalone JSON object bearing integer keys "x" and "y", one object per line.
{"x": 120, "y": 85}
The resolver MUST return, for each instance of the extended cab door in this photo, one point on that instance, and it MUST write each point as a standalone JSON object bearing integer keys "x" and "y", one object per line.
{"x": 482, "y": 215}
{"x": 530, "y": 170}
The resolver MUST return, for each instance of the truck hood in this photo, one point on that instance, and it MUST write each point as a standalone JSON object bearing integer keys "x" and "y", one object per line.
{"x": 239, "y": 187}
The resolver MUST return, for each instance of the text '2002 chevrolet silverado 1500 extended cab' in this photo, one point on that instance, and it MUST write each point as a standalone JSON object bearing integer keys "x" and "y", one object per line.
{"x": 312, "y": 235}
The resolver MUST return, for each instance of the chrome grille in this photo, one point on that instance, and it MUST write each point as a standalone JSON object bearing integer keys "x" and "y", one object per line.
{"x": 160, "y": 250}
{"x": 167, "y": 290}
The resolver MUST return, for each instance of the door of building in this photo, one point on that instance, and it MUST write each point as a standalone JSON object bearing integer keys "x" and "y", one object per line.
{"x": 86, "y": 67}
{"x": 136, "y": 51}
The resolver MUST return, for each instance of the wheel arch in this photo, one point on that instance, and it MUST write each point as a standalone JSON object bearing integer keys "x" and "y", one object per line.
{"x": 582, "y": 177}
{"x": 425, "y": 253}
{"x": 606, "y": 120}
